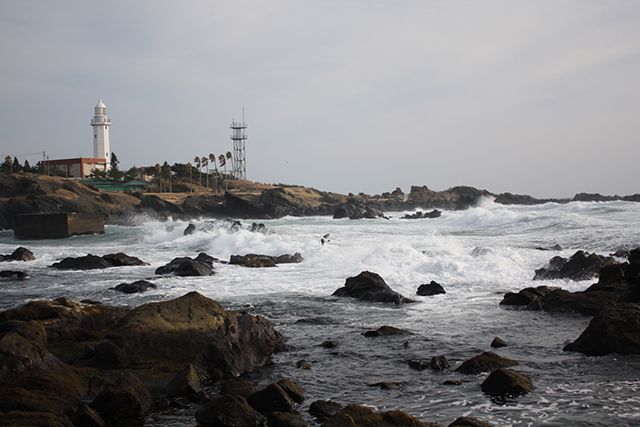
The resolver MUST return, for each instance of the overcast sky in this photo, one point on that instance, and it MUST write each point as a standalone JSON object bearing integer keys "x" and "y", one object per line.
{"x": 537, "y": 97}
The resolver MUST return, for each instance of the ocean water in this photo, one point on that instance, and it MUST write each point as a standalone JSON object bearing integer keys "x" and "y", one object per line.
{"x": 477, "y": 255}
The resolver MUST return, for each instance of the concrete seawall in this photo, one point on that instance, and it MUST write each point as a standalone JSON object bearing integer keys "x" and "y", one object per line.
{"x": 57, "y": 225}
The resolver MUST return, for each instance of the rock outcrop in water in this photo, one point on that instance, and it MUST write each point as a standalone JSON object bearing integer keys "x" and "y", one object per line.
{"x": 580, "y": 266}
{"x": 42, "y": 342}
{"x": 485, "y": 362}
{"x": 505, "y": 382}
{"x": 202, "y": 265}
{"x": 94, "y": 262}
{"x": 432, "y": 288}
{"x": 20, "y": 254}
{"x": 135, "y": 287}
{"x": 368, "y": 286}
{"x": 363, "y": 416}
{"x": 255, "y": 260}
{"x": 418, "y": 215}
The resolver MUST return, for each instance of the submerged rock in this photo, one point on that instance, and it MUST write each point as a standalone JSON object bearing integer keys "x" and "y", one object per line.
{"x": 255, "y": 260}
{"x": 185, "y": 266}
{"x": 580, "y": 266}
{"x": 433, "y": 288}
{"x": 507, "y": 383}
{"x": 469, "y": 422}
{"x": 485, "y": 362}
{"x": 384, "y": 331}
{"x": 191, "y": 228}
{"x": 368, "y": 286}
{"x": 438, "y": 363}
{"x": 14, "y": 274}
{"x": 135, "y": 287}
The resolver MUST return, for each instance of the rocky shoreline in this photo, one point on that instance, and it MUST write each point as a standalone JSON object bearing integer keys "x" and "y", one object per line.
{"x": 26, "y": 193}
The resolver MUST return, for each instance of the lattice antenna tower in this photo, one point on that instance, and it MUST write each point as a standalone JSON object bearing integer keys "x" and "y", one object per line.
{"x": 239, "y": 138}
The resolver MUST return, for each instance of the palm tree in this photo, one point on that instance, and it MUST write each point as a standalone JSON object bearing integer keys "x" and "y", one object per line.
{"x": 196, "y": 160}
{"x": 212, "y": 159}
{"x": 189, "y": 168}
{"x": 223, "y": 162}
{"x": 205, "y": 162}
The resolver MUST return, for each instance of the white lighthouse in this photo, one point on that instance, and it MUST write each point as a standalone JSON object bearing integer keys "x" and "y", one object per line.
{"x": 100, "y": 124}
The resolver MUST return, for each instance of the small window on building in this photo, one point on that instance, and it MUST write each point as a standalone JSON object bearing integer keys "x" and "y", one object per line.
{"x": 105, "y": 127}
{"x": 95, "y": 136}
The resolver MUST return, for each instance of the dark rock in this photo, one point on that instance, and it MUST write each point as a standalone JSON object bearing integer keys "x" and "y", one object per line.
{"x": 293, "y": 389}
{"x": 452, "y": 382}
{"x": 527, "y": 296}
{"x": 14, "y": 274}
{"x": 186, "y": 383}
{"x": 614, "y": 330}
{"x": 432, "y": 288}
{"x": 87, "y": 262}
{"x": 229, "y": 411}
{"x": 20, "y": 254}
{"x": 135, "y": 287}
{"x": 341, "y": 212}
{"x": 329, "y": 344}
{"x": 23, "y": 346}
{"x": 286, "y": 419}
{"x": 362, "y": 416}
{"x": 195, "y": 329}
{"x": 369, "y": 286}
{"x": 418, "y": 365}
{"x": 555, "y": 247}
{"x": 498, "y": 342}
{"x": 506, "y": 383}
{"x": 581, "y": 266}
{"x": 384, "y": 331}
{"x": 289, "y": 259}
{"x": 185, "y": 266}
{"x": 253, "y": 260}
{"x": 303, "y": 364}
{"x": 386, "y": 385}
{"x": 439, "y": 363}
{"x": 469, "y": 422}
{"x": 84, "y": 416}
{"x": 433, "y": 214}
{"x": 105, "y": 355}
{"x": 258, "y": 228}
{"x": 33, "y": 419}
{"x": 323, "y": 409}
{"x": 271, "y": 398}
{"x": 236, "y": 386}
{"x": 123, "y": 260}
{"x": 191, "y": 228}
{"x": 126, "y": 399}
{"x": 485, "y": 362}
{"x": 206, "y": 259}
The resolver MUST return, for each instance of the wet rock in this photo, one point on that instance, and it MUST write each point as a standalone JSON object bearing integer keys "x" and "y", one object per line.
{"x": 236, "y": 386}
{"x": 14, "y": 274}
{"x": 84, "y": 416}
{"x": 105, "y": 355}
{"x": 384, "y": 331}
{"x": 433, "y": 288}
{"x": 452, "y": 382}
{"x": 191, "y": 228}
{"x": 485, "y": 362}
{"x": 433, "y": 214}
{"x": 123, "y": 260}
{"x": 324, "y": 409}
{"x": 329, "y": 344}
{"x": 195, "y": 329}
{"x": 20, "y": 254}
{"x": 125, "y": 400}
{"x": 580, "y": 266}
{"x": 505, "y": 382}
{"x": 438, "y": 363}
{"x": 469, "y": 422}
{"x": 303, "y": 364}
{"x": 555, "y": 247}
{"x": 369, "y": 286}
{"x": 185, "y": 266}
{"x": 23, "y": 345}
{"x": 253, "y": 260}
{"x": 135, "y": 287}
{"x": 258, "y": 228}
{"x": 286, "y": 419}
{"x": 229, "y": 411}
{"x": 418, "y": 364}
{"x": 340, "y": 213}
{"x": 186, "y": 383}
{"x": 272, "y": 398}
{"x": 386, "y": 385}
{"x": 87, "y": 262}
{"x": 33, "y": 419}
{"x": 498, "y": 342}
{"x": 527, "y": 296}
{"x": 362, "y": 416}
{"x": 614, "y": 330}
{"x": 293, "y": 389}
